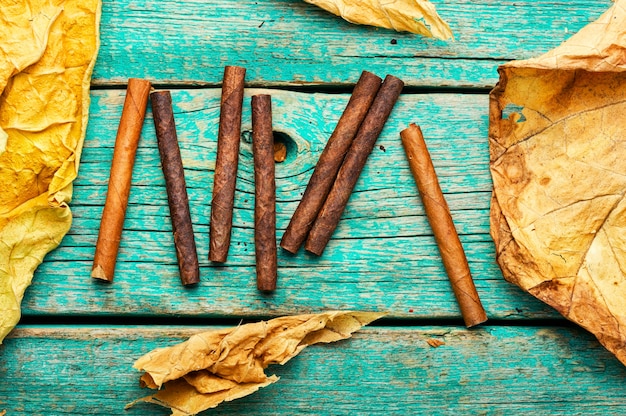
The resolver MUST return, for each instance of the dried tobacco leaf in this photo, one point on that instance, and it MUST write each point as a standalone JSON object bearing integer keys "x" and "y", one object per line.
{"x": 415, "y": 16}
{"x": 557, "y": 144}
{"x": 47, "y": 52}
{"x": 226, "y": 364}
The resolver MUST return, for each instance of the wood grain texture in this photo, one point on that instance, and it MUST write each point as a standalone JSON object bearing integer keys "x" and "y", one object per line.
{"x": 382, "y": 256}
{"x": 378, "y": 371}
{"x": 290, "y": 42}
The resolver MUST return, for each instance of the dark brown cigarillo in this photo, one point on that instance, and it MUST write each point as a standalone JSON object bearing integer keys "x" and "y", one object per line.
{"x": 330, "y": 161}
{"x": 265, "y": 193}
{"x": 225, "y": 177}
{"x": 172, "y": 165}
{"x": 353, "y": 164}
{"x": 114, "y": 212}
{"x": 440, "y": 220}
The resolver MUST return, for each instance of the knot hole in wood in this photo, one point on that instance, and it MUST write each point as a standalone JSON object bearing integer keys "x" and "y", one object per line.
{"x": 285, "y": 147}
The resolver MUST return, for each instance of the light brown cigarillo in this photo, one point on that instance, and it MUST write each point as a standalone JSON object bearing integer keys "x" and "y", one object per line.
{"x": 440, "y": 220}
{"x": 265, "y": 193}
{"x": 114, "y": 212}
{"x": 225, "y": 178}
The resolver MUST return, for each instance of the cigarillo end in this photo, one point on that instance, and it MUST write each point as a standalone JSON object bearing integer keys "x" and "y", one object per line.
{"x": 395, "y": 80}
{"x": 139, "y": 86}
{"x": 291, "y": 248}
{"x": 314, "y": 250}
{"x": 159, "y": 93}
{"x": 266, "y": 284}
{"x": 473, "y": 324}
{"x": 235, "y": 68}
{"x": 475, "y": 320}
{"x": 98, "y": 273}
{"x": 139, "y": 81}
{"x": 191, "y": 282}
{"x": 371, "y": 75}
{"x": 217, "y": 258}
{"x": 413, "y": 127}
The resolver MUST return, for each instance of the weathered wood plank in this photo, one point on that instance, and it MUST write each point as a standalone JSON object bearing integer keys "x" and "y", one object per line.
{"x": 289, "y": 42}
{"x": 382, "y": 256}
{"x": 491, "y": 370}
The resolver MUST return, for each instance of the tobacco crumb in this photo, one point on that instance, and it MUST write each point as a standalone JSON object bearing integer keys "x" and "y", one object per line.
{"x": 394, "y": 42}
{"x": 381, "y": 147}
{"x": 435, "y": 342}
{"x": 280, "y": 152}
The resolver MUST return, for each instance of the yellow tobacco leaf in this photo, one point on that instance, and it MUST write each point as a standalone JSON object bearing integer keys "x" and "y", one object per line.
{"x": 416, "y": 16}
{"x": 206, "y": 382}
{"x": 23, "y": 38}
{"x": 557, "y": 144}
{"x": 183, "y": 399}
{"x": 47, "y": 52}
{"x": 226, "y": 364}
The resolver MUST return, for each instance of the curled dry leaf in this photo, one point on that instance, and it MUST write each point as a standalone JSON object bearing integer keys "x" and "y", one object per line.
{"x": 557, "y": 144}
{"x": 47, "y": 52}
{"x": 225, "y": 364}
{"x": 415, "y": 16}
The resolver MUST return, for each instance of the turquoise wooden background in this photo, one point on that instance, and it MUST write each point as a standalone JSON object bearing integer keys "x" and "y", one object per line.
{"x": 73, "y": 352}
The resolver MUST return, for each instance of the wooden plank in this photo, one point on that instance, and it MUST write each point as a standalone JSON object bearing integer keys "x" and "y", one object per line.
{"x": 491, "y": 370}
{"x": 382, "y": 256}
{"x": 289, "y": 42}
